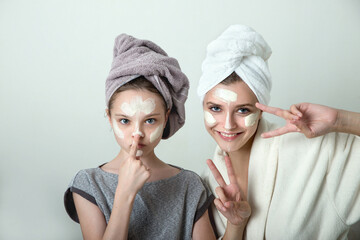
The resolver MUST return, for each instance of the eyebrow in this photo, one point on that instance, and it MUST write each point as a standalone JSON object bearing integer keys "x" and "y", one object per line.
{"x": 240, "y": 105}
{"x": 124, "y": 115}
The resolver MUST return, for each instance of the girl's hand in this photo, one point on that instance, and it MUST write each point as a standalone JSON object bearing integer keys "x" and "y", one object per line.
{"x": 230, "y": 202}
{"x": 310, "y": 119}
{"x": 132, "y": 173}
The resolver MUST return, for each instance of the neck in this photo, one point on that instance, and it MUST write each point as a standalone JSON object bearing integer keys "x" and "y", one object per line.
{"x": 240, "y": 161}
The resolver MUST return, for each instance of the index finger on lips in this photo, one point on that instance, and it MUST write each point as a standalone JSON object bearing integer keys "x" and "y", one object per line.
{"x": 230, "y": 170}
{"x": 215, "y": 172}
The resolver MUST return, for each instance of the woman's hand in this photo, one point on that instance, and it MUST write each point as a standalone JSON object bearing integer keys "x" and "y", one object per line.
{"x": 310, "y": 119}
{"x": 230, "y": 201}
{"x": 132, "y": 173}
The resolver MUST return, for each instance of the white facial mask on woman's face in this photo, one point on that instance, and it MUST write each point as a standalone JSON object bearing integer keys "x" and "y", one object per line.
{"x": 251, "y": 119}
{"x": 228, "y": 97}
{"x": 209, "y": 119}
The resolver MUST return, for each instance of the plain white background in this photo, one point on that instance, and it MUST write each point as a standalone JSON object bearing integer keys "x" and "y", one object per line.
{"x": 55, "y": 57}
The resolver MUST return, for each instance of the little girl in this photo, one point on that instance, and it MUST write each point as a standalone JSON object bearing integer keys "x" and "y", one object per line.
{"x": 136, "y": 195}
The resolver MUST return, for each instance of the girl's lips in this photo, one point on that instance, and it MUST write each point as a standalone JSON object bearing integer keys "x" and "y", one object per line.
{"x": 140, "y": 146}
{"x": 228, "y": 136}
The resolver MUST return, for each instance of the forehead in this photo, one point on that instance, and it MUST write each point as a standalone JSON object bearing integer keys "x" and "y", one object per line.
{"x": 128, "y": 95}
{"x": 240, "y": 88}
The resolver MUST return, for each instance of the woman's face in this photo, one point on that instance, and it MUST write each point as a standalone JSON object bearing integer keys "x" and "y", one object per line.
{"x": 230, "y": 115}
{"x": 138, "y": 112}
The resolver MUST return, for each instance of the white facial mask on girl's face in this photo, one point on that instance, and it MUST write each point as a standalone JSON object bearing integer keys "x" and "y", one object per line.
{"x": 117, "y": 130}
{"x": 156, "y": 134}
{"x": 135, "y": 107}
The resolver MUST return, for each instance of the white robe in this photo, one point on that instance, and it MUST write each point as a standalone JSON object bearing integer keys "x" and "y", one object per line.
{"x": 298, "y": 188}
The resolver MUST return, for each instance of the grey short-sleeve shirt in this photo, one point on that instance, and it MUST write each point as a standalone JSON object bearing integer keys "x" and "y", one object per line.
{"x": 164, "y": 209}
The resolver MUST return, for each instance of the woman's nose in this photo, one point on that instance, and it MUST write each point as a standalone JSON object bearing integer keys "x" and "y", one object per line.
{"x": 229, "y": 122}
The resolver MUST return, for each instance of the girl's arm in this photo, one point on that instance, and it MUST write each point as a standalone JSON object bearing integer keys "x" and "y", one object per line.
{"x": 203, "y": 229}
{"x": 132, "y": 176}
{"x": 92, "y": 220}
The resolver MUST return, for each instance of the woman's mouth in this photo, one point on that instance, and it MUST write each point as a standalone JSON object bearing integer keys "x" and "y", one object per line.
{"x": 228, "y": 136}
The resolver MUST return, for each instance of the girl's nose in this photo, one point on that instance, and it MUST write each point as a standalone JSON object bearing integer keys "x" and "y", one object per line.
{"x": 138, "y": 131}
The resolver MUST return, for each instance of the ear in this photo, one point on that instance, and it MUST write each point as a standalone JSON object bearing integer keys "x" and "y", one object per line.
{"x": 108, "y": 116}
{"x": 167, "y": 114}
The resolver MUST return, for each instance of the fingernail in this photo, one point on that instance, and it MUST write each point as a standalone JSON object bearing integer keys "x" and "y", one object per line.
{"x": 139, "y": 153}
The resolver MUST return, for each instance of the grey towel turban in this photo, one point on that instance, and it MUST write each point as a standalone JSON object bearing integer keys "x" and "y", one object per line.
{"x": 242, "y": 50}
{"x": 135, "y": 57}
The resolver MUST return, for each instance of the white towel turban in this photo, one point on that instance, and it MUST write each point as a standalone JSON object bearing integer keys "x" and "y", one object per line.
{"x": 241, "y": 50}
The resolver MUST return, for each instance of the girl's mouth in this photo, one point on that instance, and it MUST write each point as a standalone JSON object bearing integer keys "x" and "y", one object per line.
{"x": 140, "y": 146}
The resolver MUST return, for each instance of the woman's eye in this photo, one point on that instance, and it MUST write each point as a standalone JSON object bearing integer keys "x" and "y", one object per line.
{"x": 124, "y": 121}
{"x": 150, "y": 121}
{"x": 215, "y": 109}
{"x": 243, "y": 110}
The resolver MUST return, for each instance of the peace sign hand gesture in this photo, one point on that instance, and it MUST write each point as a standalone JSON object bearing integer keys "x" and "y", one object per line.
{"x": 230, "y": 201}
{"x": 310, "y": 119}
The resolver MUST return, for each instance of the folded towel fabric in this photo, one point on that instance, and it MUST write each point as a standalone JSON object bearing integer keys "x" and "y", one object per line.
{"x": 241, "y": 50}
{"x": 135, "y": 57}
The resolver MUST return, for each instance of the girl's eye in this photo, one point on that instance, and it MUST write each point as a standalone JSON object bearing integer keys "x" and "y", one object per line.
{"x": 243, "y": 110}
{"x": 215, "y": 109}
{"x": 150, "y": 121}
{"x": 124, "y": 121}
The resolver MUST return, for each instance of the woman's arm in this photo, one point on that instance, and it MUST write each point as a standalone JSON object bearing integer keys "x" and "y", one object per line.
{"x": 203, "y": 229}
{"x": 348, "y": 122}
{"x": 230, "y": 202}
{"x": 313, "y": 120}
{"x": 132, "y": 176}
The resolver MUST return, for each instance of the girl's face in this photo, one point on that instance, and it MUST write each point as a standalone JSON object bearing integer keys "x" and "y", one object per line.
{"x": 138, "y": 112}
{"x": 230, "y": 114}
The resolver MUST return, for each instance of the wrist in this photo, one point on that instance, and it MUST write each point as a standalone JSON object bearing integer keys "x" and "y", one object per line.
{"x": 234, "y": 231}
{"x": 239, "y": 226}
{"x": 124, "y": 196}
{"x": 339, "y": 121}
{"x": 347, "y": 122}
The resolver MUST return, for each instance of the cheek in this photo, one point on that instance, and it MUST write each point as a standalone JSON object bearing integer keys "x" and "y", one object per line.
{"x": 117, "y": 130}
{"x": 250, "y": 120}
{"x": 209, "y": 119}
{"x": 156, "y": 133}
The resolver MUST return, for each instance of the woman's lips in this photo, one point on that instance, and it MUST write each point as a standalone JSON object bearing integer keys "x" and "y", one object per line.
{"x": 228, "y": 136}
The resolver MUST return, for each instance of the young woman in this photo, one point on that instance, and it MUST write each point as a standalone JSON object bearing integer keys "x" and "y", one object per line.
{"x": 136, "y": 195}
{"x": 299, "y": 181}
